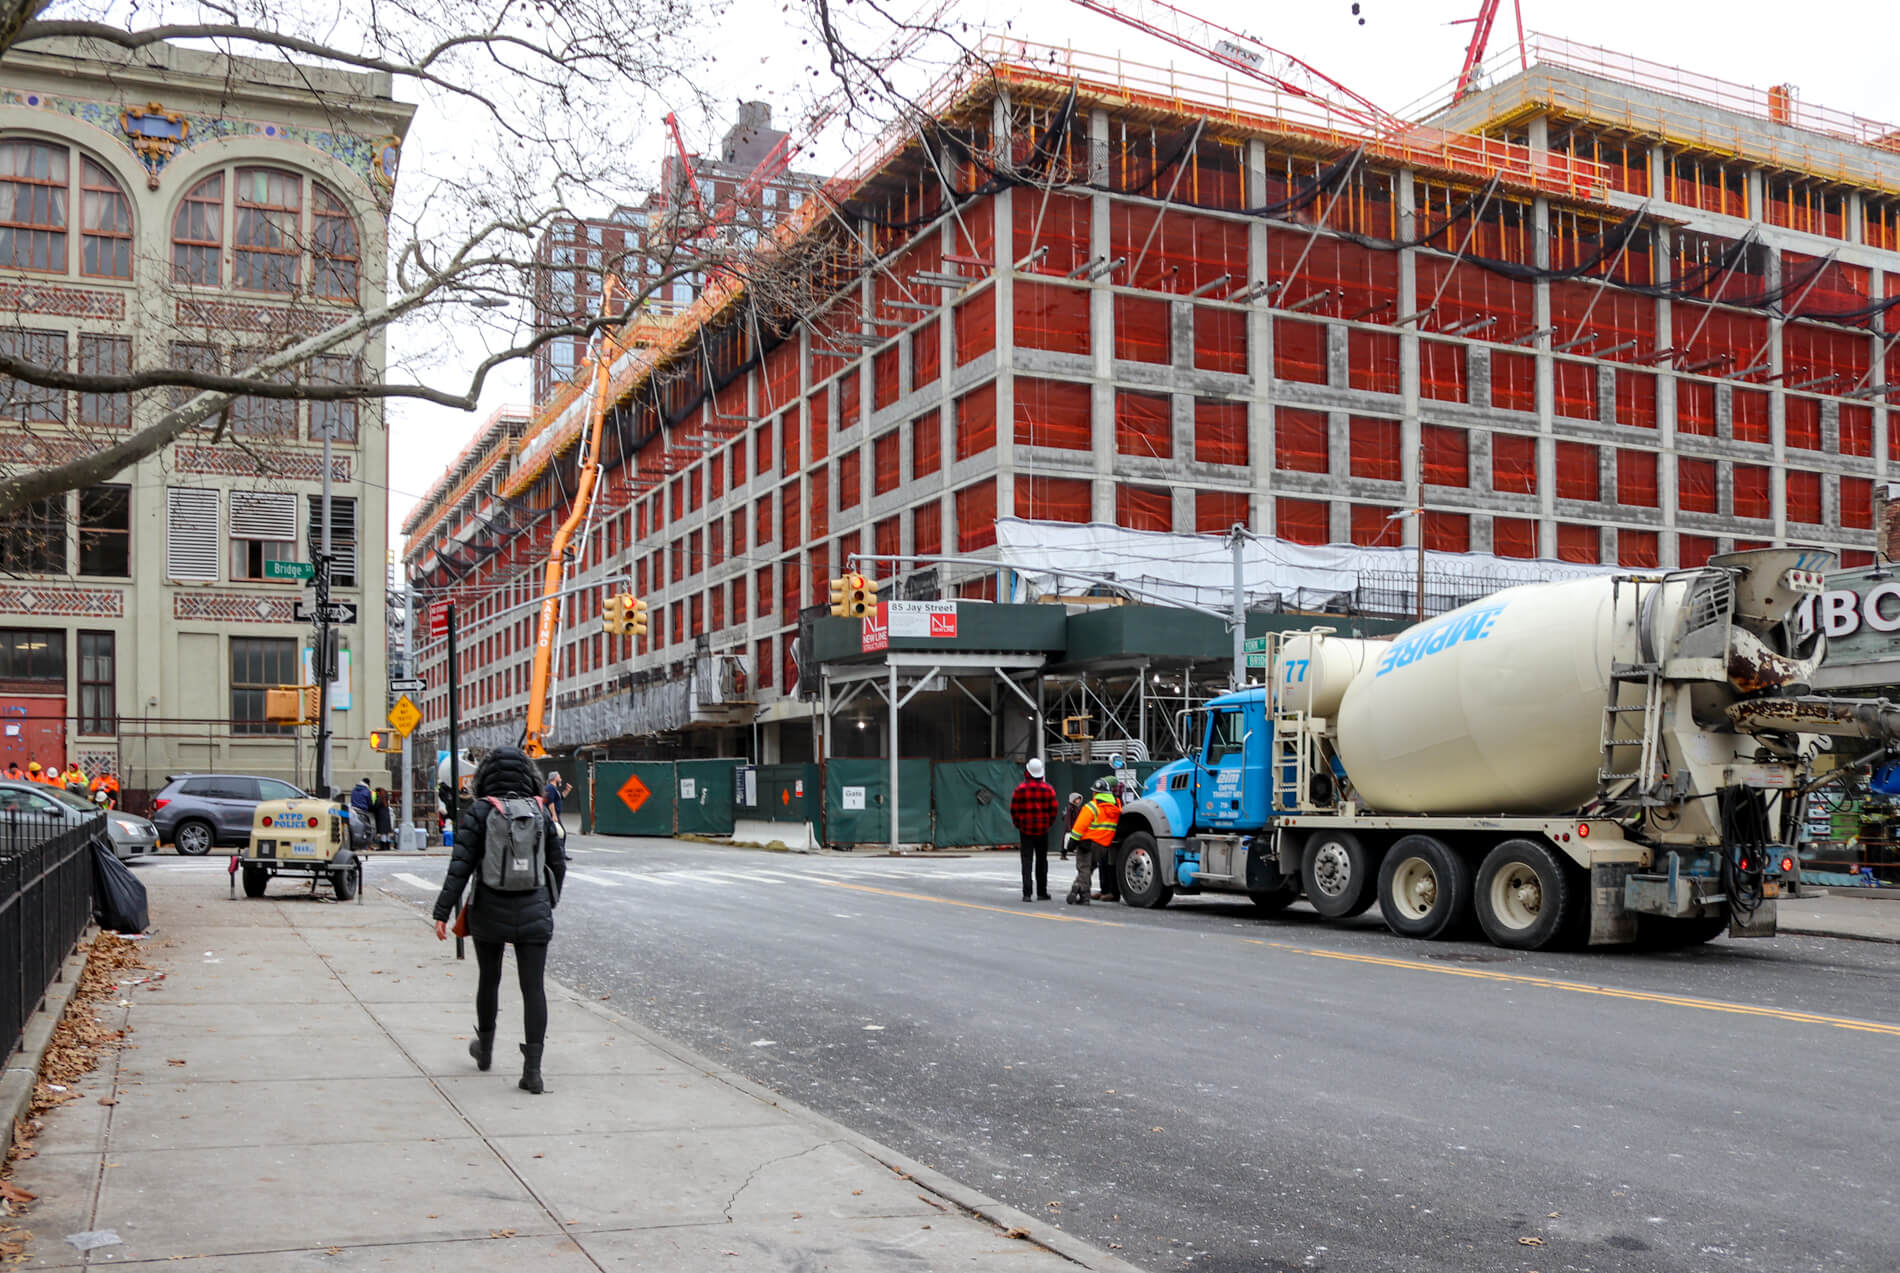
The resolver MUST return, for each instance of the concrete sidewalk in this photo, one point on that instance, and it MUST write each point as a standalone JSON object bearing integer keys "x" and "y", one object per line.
{"x": 1860, "y": 914}
{"x": 298, "y": 1095}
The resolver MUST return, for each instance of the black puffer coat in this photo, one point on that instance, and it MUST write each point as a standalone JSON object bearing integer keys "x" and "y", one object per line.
{"x": 504, "y": 917}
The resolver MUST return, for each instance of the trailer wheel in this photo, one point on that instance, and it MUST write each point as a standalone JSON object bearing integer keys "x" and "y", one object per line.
{"x": 343, "y": 883}
{"x": 255, "y": 878}
{"x": 1523, "y": 895}
{"x": 1424, "y": 889}
{"x": 1139, "y": 871}
{"x": 1338, "y": 874}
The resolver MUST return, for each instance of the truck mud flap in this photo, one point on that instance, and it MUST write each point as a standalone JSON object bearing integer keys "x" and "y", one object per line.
{"x": 1759, "y": 924}
{"x": 1612, "y": 922}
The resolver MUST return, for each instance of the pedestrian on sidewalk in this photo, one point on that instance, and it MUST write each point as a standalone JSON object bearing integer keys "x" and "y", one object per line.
{"x": 1094, "y": 832}
{"x": 558, "y": 789}
{"x": 1033, "y": 810}
{"x": 507, "y": 844}
{"x": 379, "y": 810}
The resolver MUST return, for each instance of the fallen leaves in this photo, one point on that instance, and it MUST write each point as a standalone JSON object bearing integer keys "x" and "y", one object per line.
{"x": 501, "y": 1233}
{"x": 13, "y": 1195}
{"x": 175, "y": 1061}
{"x": 1018, "y": 1234}
{"x": 1530, "y": 1242}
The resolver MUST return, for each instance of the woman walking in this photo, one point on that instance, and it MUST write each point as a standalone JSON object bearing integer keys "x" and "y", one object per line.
{"x": 515, "y": 893}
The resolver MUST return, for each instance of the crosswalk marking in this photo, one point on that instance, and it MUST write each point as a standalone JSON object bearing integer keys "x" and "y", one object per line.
{"x": 648, "y": 877}
{"x": 415, "y": 880}
{"x": 591, "y": 878}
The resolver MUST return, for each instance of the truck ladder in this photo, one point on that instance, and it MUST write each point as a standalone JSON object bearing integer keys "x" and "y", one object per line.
{"x": 1291, "y": 758}
{"x": 1632, "y": 664}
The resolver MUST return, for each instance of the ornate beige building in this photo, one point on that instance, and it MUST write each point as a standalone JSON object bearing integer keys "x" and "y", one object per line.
{"x": 176, "y": 208}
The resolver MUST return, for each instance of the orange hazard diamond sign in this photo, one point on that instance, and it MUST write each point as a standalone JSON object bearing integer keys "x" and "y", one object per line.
{"x": 633, "y": 793}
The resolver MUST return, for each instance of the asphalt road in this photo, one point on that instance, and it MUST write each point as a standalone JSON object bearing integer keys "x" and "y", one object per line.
{"x": 1198, "y": 1088}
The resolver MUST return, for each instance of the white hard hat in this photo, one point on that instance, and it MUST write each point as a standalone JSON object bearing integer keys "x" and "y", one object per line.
{"x": 1034, "y": 767}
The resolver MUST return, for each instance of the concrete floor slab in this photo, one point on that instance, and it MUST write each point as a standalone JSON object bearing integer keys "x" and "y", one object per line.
{"x": 215, "y": 1114}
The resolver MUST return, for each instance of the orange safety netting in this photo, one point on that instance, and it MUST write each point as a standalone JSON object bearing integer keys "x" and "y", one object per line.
{"x": 1749, "y": 415}
{"x": 1626, "y": 162}
{"x": 1490, "y": 306}
{"x": 849, "y": 480}
{"x": 1697, "y": 181}
{"x": 1751, "y": 497}
{"x": 974, "y": 230}
{"x": 1513, "y": 537}
{"x": 1054, "y": 499}
{"x": 819, "y": 571}
{"x": 976, "y": 421}
{"x": 1811, "y": 206}
{"x": 1216, "y": 512}
{"x": 1857, "y": 503}
{"x": 762, "y": 449}
{"x": 739, "y": 600}
{"x": 1802, "y": 422}
{"x": 1856, "y": 429}
{"x": 762, "y": 523}
{"x": 1301, "y": 521}
{"x": 762, "y": 662}
{"x": 791, "y": 436}
{"x": 716, "y": 605}
{"x": 715, "y": 477}
{"x": 1615, "y": 325}
{"x": 1220, "y": 339}
{"x": 926, "y": 445}
{"x": 1299, "y": 350}
{"x": 1574, "y": 388}
{"x": 781, "y": 377}
{"x": 1447, "y": 532}
{"x": 1577, "y": 474}
{"x": 1880, "y": 223}
{"x": 1579, "y": 543}
{"x": 790, "y": 515}
{"x": 1338, "y": 277}
{"x": 1143, "y": 330}
{"x": 1695, "y": 486}
{"x": 976, "y": 515}
{"x": 1802, "y": 491}
{"x": 819, "y": 429}
{"x": 1058, "y": 222}
{"x": 1054, "y": 413}
{"x": 1636, "y": 479}
{"x": 1811, "y": 353}
{"x": 1695, "y": 408}
{"x": 1636, "y": 398}
{"x": 715, "y": 541}
{"x": 1373, "y": 448}
{"x": 975, "y": 321}
{"x": 926, "y": 354}
{"x": 1373, "y": 526}
{"x": 1183, "y": 251}
{"x": 1301, "y": 440}
{"x": 1144, "y": 424}
{"x": 1513, "y": 381}
{"x": 1220, "y": 431}
{"x": 1640, "y": 548}
{"x": 1372, "y": 361}
{"x": 926, "y": 529}
{"x": 850, "y": 401}
{"x": 818, "y": 504}
{"x": 736, "y": 531}
{"x": 1144, "y": 507}
{"x": 895, "y": 282}
{"x": 697, "y": 627}
{"x": 1835, "y": 287}
{"x": 885, "y": 387}
{"x": 1694, "y": 550}
{"x": 1447, "y": 455}
{"x": 1726, "y": 343}
{"x": 1854, "y": 558}
{"x": 887, "y": 462}
{"x": 1444, "y": 371}
{"x": 1514, "y": 464}
{"x": 788, "y": 586}
{"x": 887, "y": 540}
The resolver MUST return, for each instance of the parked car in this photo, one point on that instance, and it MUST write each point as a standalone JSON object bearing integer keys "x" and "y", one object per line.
{"x": 130, "y": 834}
{"x": 195, "y": 813}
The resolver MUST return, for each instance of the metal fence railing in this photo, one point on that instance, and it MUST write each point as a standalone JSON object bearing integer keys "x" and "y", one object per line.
{"x": 45, "y": 901}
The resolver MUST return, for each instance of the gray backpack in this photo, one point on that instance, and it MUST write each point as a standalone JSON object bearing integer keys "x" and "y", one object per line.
{"x": 514, "y": 857}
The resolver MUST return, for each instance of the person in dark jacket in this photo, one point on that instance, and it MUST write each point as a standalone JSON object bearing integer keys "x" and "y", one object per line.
{"x": 522, "y": 920}
{"x": 379, "y": 812}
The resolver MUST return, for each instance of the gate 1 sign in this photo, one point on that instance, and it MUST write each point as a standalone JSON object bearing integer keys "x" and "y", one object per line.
{"x": 853, "y": 798}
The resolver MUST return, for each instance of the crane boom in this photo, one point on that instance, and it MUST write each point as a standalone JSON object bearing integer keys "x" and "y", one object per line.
{"x": 1480, "y": 38}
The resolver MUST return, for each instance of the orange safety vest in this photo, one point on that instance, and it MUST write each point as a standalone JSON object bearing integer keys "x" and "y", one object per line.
{"x": 1096, "y": 820}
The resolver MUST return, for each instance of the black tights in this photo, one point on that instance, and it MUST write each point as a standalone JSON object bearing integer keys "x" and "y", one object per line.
{"x": 531, "y": 964}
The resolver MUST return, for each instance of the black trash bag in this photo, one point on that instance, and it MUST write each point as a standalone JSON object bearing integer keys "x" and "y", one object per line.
{"x": 118, "y": 896}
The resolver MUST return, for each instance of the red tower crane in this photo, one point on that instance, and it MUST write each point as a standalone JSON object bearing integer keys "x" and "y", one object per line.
{"x": 1480, "y": 37}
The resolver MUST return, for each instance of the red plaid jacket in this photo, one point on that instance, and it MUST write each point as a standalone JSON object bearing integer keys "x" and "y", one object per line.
{"x": 1033, "y": 807}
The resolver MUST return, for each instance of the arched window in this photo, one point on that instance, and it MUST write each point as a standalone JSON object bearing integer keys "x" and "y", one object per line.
{"x": 334, "y": 245}
{"x": 36, "y": 212}
{"x": 198, "y": 233}
{"x": 265, "y": 234}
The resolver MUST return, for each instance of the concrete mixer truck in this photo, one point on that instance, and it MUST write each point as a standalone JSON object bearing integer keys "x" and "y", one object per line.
{"x": 1600, "y": 760}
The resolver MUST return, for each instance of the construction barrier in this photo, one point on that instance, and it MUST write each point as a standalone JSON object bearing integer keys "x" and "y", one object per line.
{"x": 703, "y": 796}
{"x": 858, "y": 799}
{"x": 633, "y": 797}
{"x": 972, "y": 801}
{"x": 781, "y": 793}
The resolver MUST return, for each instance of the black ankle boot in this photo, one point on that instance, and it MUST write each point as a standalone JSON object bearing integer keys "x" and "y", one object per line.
{"x": 482, "y": 1048}
{"x": 531, "y": 1069}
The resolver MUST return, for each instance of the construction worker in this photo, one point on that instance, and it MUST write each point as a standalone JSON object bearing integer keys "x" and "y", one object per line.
{"x": 1093, "y": 833}
{"x": 74, "y": 779}
{"x": 14, "y": 772}
{"x": 34, "y": 773}
{"x": 110, "y": 786}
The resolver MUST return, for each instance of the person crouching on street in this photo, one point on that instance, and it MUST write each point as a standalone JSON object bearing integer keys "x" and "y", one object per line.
{"x": 1094, "y": 833}
{"x": 508, "y": 845}
{"x": 1033, "y": 810}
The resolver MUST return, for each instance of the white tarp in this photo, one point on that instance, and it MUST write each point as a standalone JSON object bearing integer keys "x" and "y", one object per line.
{"x": 1156, "y": 566}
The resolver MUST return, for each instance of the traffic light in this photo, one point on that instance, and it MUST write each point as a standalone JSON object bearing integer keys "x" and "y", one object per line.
{"x": 637, "y": 617}
{"x": 385, "y": 740}
{"x": 840, "y": 587}
{"x": 861, "y": 603}
{"x": 613, "y": 614}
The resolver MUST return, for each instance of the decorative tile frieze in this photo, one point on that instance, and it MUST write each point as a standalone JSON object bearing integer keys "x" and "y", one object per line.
{"x": 226, "y": 461}
{"x": 232, "y": 607}
{"x": 59, "y": 601}
{"x": 54, "y": 301}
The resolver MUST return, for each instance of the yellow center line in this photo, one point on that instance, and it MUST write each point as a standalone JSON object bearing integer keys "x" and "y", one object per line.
{"x": 1443, "y": 970}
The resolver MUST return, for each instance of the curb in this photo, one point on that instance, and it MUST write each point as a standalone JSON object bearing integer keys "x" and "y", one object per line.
{"x": 1822, "y": 932}
{"x": 23, "y": 1069}
{"x": 1004, "y": 1217}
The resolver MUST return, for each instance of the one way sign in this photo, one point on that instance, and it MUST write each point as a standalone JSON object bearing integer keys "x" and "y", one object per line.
{"x": 340, "y": 612}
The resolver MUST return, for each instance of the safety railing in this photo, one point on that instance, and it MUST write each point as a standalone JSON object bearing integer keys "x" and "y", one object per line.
{"x": 45, "y": 901}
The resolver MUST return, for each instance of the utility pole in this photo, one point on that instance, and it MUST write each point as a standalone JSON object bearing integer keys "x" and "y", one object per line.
{"x": 1237, "y": 539}
{"x": 408, "y": 837}
{"x": 324, "y": 658}
{"x": 1421, "y": 524}
{"x": 455, "y": 750}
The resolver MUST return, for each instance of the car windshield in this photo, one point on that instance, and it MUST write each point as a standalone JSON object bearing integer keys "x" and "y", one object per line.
{"x": 72, "y": 798}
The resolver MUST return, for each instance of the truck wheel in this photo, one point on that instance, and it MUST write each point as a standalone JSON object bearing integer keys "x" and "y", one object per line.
{"x": 194, "y": 838}
{"x": 1140, "y": 872}
{"x": 1272, "y": 901}
{"x": 1523, "y": 895}
{"x": 343, "y": 883}
{"x": 1337, "y": 874}
{"x": 1424, "y": 889}
{"x": 255, "y": 878}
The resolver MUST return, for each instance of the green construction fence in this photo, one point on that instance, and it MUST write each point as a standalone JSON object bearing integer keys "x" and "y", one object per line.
{"x": 858, "y": 801}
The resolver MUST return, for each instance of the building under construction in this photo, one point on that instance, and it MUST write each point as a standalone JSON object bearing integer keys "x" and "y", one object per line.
{"x": 1601, "y": 313}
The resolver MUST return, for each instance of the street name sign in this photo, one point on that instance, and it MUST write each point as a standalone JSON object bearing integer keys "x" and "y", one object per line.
{"x": 1255, "y": 645}
{"x": 289, "y": 570}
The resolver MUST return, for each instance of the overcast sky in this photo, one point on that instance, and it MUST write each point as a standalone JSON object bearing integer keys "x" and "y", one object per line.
{"x": 1839, "y": 55}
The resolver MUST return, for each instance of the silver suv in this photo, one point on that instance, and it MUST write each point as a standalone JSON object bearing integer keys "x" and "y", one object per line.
{"x": 197, "y": 812}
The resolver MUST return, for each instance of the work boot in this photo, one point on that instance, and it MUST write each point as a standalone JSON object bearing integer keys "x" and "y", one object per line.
{"x": 482, "y": 1048}
{"x": 531, "y": 1069}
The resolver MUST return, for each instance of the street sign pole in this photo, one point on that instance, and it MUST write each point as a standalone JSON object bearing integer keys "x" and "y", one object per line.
{"x": 320, "y": 658}
{"x": 455, "y": 760}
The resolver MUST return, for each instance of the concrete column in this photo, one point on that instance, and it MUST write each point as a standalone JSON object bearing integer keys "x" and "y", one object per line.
{"x": 1004, "y": 299}
{"x": 1877, "y": 286}
{"x": 1261, "y": 432}
{"x": 1667, "y": 486}
{"x": 1545, "y": 382}
{"x": 1411, "y": 423}
{"x": 1102, "y": 327}
{"x": 1777, "y": 398}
